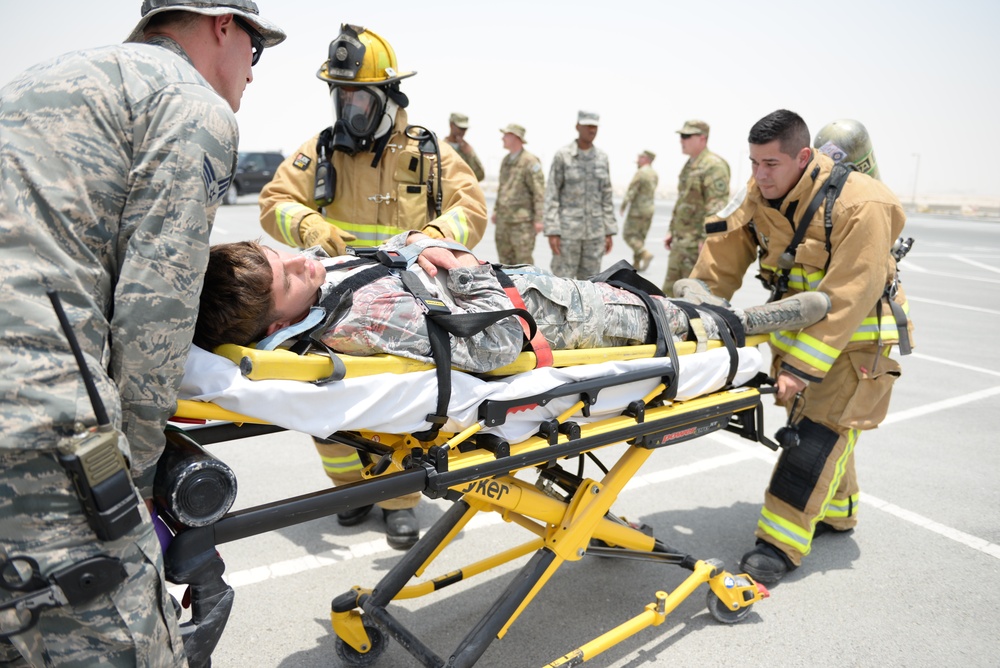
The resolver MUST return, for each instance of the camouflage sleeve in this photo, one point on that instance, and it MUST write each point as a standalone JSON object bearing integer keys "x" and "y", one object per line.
{"x": 188, "y": 144}
{"x": 535, "y": 181}
{"x": 463, "y": 205}
{"x": 715, "y": 185}
{"x": 477, "y": 167}
{"x": 553, "y": 190}
{"x": 633, "y": 187}
{"x": 608, "y": 203}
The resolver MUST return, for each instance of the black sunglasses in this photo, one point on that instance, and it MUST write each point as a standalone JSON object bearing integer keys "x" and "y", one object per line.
{"x": 256, "y": 39}
{"x": 683, "y": 136}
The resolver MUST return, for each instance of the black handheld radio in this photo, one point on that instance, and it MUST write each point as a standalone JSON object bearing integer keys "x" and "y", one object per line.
{"x": 93, "y": 461}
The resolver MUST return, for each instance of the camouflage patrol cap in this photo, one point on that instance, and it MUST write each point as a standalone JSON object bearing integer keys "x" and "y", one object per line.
{"x": 516, "y": 130}
{"x": 588, "y": 118}
{"x": 649, "y": 154}
{"x": 246, "y": 9}
{"x": 694, "y": 128}
{"x": 460, "y": 120}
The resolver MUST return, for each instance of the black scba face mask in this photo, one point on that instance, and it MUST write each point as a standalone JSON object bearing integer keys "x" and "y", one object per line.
{"x": 359, "y": 112}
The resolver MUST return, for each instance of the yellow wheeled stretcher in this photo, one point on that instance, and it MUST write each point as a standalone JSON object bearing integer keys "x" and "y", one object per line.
{"x": 567, "y": 515}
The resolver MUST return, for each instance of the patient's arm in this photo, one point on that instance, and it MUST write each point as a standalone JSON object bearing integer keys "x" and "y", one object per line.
{"x": 433, "y": 258}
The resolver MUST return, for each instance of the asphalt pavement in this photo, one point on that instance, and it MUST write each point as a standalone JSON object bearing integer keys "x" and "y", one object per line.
{"x": 912, "y": 586}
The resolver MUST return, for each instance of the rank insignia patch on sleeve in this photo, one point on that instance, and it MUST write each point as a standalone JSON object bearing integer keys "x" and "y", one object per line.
{"x": 215, "y": 188}
{"x": 302, "y": 161}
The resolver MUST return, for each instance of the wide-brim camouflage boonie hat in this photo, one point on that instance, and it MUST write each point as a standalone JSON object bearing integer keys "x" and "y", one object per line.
{"x": 244, "y": 8}
{"x": 516, "y": 130}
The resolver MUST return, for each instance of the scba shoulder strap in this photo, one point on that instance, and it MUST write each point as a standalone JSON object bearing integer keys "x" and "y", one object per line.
{"x": 828, "y": 193}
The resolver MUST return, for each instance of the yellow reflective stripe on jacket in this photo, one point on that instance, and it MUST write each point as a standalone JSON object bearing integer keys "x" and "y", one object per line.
{"x": 784, "y": 531}
{"x": 806, "y": 348}
{"x": 889, "y": 331}
{"x": 343, "y": 464}
{"x": 288, "y": 216}
{"x": 367, "y": 234}
{"x": 798, "y": 279}
{"x": 456, "y": 222}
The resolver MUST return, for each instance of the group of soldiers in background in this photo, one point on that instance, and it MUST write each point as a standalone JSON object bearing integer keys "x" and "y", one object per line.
{"x": 575, "y": 212}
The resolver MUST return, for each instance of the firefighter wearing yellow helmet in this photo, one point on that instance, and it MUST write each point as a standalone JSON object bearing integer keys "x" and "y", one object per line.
{"x": 364, "y": 179}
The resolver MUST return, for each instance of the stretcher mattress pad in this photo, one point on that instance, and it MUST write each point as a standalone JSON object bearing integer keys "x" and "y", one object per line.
{"x": 399, "y": 403}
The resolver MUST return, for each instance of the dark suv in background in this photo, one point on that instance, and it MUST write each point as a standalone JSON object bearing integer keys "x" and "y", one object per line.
{"x": 253, "y": 171}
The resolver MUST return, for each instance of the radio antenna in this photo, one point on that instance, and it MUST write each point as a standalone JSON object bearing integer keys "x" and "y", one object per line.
{"x": 88, "y": 378}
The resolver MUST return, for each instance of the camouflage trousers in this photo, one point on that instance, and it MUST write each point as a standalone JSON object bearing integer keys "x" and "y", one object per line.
{"x": 572, "y": 314}
{"x": 135, "y": 625}
{"x": 635, "y": 230}
{"x": 342, "y": 465}
{"x": 578, "y": 258}
{"x": 515, "y": 242}
{"x": 683, "y": 256}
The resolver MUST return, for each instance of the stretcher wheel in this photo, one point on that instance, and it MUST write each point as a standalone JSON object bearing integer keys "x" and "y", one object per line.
{"x": 722, "y": 613}
{"x": 352, "y": 657}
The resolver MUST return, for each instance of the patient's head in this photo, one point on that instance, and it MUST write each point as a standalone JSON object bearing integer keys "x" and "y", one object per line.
{"x": 251, "y": 291}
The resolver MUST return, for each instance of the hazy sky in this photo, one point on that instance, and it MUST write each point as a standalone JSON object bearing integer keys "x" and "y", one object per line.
{"x": 922, "y": 76}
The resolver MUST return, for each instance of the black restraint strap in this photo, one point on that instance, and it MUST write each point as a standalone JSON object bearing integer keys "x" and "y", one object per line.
{"x": 624, "y": 272}
{"x": 691, "y": 311}
{"x": 731, "y": 333}
{"x": 440, "y": 323}
{"x": 624, "y": 276}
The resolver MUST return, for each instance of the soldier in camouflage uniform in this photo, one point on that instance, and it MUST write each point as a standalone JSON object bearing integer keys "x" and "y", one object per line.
{"x": 702, "y": 190}
{"x": 113, "y": 162}
{"x": 639, "y": 198}
{"x": 254, "y": 291}
{"x": 520, "y": 200}
{"x": 579, "y": 213}
{"x": 458, "y": 125}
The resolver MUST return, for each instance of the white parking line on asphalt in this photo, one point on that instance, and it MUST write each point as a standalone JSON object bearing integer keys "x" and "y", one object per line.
{"x": 926, "y": 409}
{"x": 980, "y": 265}
{"x": 970, "y": 367}
{"x": 936, "y": 302}
{"x": 966, "y": 539}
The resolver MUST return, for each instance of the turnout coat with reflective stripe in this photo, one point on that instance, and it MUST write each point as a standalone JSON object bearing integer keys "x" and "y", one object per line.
{"x": 867, "y": 218}
{"x": 372, "y": 204}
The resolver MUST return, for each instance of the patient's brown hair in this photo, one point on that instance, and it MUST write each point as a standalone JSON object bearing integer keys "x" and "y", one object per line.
{"x": 236, "y": 302}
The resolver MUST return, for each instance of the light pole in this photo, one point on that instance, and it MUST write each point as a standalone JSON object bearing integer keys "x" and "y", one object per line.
{"x": 916, "y": 173}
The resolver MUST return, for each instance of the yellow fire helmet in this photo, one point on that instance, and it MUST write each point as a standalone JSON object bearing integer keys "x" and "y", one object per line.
{"x": 360, "y": 57}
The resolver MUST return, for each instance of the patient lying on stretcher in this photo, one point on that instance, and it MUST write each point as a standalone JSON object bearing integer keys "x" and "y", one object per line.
{"x": 362, "y": 308}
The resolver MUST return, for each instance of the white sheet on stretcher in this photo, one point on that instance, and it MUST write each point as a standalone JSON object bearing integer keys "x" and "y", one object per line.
{"x": 398, "y": 403}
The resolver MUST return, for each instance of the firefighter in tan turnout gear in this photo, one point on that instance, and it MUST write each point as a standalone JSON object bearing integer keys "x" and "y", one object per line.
{"x": 834, "y": 377}
{"x": 361, "y": 181}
